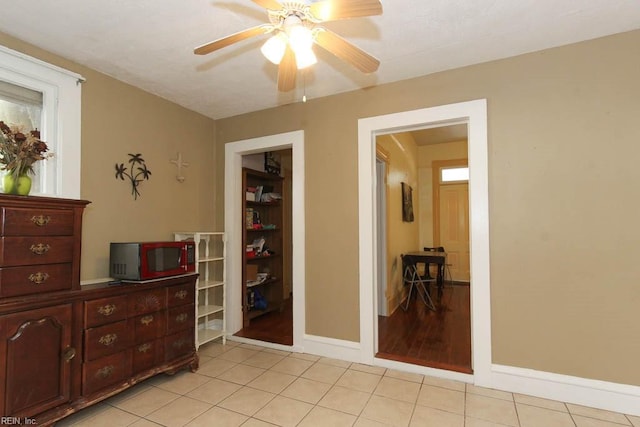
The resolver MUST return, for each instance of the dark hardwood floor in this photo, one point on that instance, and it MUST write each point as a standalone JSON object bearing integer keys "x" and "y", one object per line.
{"x": 275, "y": 327}
{"x": 438, "y": 339}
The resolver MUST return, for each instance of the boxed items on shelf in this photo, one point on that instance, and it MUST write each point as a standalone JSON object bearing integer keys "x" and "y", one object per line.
{"x": 270, "y": 197}
{"x": 255, "y": 300}
{"x": 260, "y": 279}
{"x": 249, "y": 219}
{"x": 252, "y": 272}
{"x": 250, "y": 194}
{"x": 258, "y": 245}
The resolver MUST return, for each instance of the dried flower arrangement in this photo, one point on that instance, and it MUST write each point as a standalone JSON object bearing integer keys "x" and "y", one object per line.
{"x": 19, "y": 150}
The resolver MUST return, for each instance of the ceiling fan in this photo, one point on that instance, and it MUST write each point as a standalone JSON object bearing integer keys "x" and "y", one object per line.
{"x": 294, "y": 28}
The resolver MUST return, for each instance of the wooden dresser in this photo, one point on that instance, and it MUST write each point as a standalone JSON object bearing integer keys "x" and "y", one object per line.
{"x": 40, "y": 248}
{"x": 63, "y": 347}
{"x": 132, "y": 329}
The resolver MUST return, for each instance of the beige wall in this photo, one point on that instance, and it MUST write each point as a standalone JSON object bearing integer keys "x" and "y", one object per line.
{"x": 426, "y": 155}
{"x": 402, "y": 236}
{"x": 563, "y": 150}
{"x": 118, "y": 119}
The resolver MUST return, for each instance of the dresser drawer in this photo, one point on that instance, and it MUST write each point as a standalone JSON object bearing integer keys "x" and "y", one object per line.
{"x": 32, "y": 279}
{"x": 178, "y": 345}
{"x": 105, "y": 310}
{"x": 180, "y": 295}
{"x": 107, "y": 339}
{"x": 150, "y": 326}
{"x": 105, "y": 371}
{"x": 37, "y": 222}
{"x": 147, "y": 302}
{"x": 147, "y": 355}
{"x": 180, "y": 318}
{"x": 15, "y": 251}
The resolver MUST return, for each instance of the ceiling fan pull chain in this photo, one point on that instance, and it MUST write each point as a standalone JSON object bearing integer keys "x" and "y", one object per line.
{"x": 304, "y": 86}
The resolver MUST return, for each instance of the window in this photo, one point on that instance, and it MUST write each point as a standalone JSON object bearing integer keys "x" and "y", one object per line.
{"x": 35, "y": 94}
{"x": 23, "y": 107}
{"x": 454, "y": 174}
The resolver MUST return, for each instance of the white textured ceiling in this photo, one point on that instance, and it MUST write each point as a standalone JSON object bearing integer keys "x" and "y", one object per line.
{"x": 149, "y": 43}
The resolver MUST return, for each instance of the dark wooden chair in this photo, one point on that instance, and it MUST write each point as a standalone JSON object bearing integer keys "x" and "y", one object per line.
{"x": 427, "y": 270}
{"x": 412, "y": 278}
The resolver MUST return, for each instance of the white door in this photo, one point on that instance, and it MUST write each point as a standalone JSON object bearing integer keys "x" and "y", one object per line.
{"x": 454, "y": 228}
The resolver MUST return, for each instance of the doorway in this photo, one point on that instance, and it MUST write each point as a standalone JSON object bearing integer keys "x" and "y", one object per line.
{"x": 268, "y": 302}
{"x": 235, "y": 220}
{"x": 474, "y": 114}
{"x": 439, "y": 335}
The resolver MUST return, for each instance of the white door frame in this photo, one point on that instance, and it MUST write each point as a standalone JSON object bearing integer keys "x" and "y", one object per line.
{"x": 234, "y": 221}
{"x": 381, "y": 207}
{"x": 474, "y": 114}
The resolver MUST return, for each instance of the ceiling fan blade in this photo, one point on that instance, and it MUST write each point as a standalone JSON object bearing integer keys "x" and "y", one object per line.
{"x": 287, "y": 71}
{"x": 330, "y": 10}
{"x": 229, "y": 40}
{"x": 346, "y": 51}
{"x": 268, "y": 4}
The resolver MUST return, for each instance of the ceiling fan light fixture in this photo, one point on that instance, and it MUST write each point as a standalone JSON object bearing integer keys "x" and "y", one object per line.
{"x": 273, "y": 49}
{"x": 300, "y": 38}
{"x": 294, "y": 29}
{"x": 305, "y": 58}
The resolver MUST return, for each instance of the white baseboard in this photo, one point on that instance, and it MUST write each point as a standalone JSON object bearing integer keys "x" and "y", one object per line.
{"x": 424, "y": 370}
{"x": 605, "y": 395}
{"x": 564, "y": 388}
{"x": 609, "y": 396}
{"x": 266, "y": 344}
{"x": 333, "y": 348}
{"x": 352, "y": 352}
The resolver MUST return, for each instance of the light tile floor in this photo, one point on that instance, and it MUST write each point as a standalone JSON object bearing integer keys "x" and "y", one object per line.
{"x": 245, "y": 385}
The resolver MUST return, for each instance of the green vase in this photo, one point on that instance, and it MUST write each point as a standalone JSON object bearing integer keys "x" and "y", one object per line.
{"x": 20, "y": 186}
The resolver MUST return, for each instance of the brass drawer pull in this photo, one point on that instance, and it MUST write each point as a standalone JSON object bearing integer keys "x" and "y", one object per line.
{"x": 40, "y": 248}
{"x": 40, "y": 220}
{"x": 181, "y": 294}
{"x": 107, "y": 310}
{"x": 146, "y": 320}
{"x": 144, "y": 348}
{"x": 38, "y": 278}
{"x": 69, "y": 353}
{"x": 108, "y": 339}
{"x": 181, "y": 318}
{"x": 105, "y": 372}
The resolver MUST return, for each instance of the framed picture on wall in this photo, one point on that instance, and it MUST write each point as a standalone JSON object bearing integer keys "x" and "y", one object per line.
{"x": 407, "y": 203}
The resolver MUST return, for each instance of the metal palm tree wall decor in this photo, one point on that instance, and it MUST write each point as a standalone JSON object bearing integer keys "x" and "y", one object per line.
{"x": 136, "y": 175}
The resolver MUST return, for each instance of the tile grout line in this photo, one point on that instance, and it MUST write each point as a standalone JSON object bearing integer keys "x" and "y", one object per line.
{"x": 298, "y": 376}
{"x": 464, "y": 407}
{"x": 515, "y": 407}
{"x": 570, "y": 414}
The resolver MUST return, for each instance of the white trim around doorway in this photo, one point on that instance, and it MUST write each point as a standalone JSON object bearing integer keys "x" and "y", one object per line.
{"x": 474, "y": 114}
{"x": 233, "y": 222}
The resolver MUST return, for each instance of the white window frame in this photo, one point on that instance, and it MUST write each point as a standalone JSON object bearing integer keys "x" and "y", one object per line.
{"x": 61, "y": 115}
